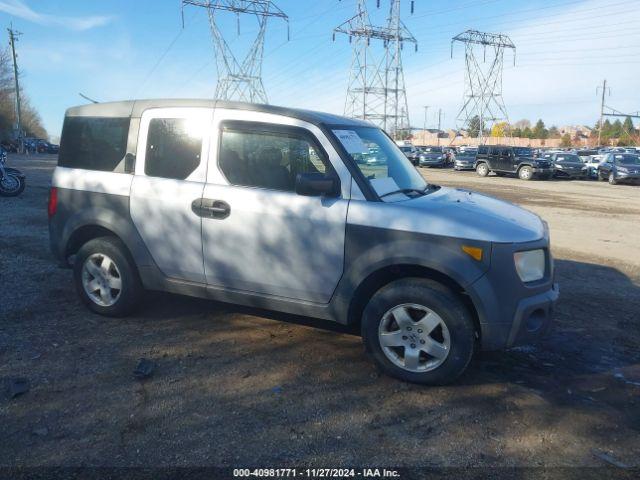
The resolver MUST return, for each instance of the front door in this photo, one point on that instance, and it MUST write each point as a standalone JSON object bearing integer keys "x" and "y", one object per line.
{"x": 170, "y": 175}
{"x": 261, "y": 236}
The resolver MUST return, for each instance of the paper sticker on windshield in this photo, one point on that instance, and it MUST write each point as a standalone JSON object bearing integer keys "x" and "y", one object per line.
{"x": 351, "y": 141}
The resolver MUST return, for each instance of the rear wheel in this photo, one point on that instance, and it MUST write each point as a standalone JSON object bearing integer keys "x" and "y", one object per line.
{"x": 106, "y": 278}
{"x": 482, "y": 169}
{"x": 525, "y": 173}
{"x": 11, "y": 185}
{"x": 419, "y": 331}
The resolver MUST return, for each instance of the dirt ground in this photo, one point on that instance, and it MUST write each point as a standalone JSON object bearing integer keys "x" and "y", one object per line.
{"x": 242, "y": 388}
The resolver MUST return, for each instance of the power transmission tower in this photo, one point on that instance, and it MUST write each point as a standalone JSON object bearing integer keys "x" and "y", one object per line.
{"x": 12, "y": 42}
{"x": 239, "y": 80}
{"x": 483, "y": 104}
{"x": 376, "y": 90}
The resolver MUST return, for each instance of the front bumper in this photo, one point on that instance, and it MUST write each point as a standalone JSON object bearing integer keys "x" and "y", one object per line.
{"x": 463, "y": 165}
{"x": 542, "y": 170}
{"x": 511, "y": 312}
{"x": 431, "y": 163}
{"x": 571, "y": 173}
{"x": 628, "y": 177}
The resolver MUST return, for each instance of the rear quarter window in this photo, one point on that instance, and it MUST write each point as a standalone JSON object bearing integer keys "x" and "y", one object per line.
{"x": 94, "y": 143}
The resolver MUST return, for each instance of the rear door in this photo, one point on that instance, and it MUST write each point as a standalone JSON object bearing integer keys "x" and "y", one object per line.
{"x": 170, "y": 174}
{"x": 271, "y": 241}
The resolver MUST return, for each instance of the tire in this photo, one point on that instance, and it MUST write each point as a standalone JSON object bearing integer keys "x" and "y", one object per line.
{"x": 525, "y": 173}
{"x": 99, "y": 290}
{"x": 482, "y": 169}
{"x": 454, "y": 327}
{"x": 612, "y": 179}
{"x": 12, "y": 185}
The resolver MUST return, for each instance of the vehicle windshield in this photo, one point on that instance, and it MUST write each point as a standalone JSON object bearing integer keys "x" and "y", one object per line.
{"x": 406, "y": 149}
{"x": 523, "y": 151}
{"x": 391, "y": 171}
{"x": 432, "y": 150}
{"x": 627, "y": 160}
{"x": 568, "y": 158}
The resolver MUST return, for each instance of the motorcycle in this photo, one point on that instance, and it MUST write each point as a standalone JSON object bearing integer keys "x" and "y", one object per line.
{"x": 12, "y": 180}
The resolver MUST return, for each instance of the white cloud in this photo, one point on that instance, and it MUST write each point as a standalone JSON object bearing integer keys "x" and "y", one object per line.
{"x": 19, "y": 8}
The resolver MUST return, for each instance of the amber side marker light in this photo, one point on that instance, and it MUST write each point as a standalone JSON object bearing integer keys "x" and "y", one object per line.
{"x": 473, "y": 252}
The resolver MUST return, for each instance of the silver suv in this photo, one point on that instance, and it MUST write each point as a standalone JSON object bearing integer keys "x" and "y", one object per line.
{"x": 280, "y": 209}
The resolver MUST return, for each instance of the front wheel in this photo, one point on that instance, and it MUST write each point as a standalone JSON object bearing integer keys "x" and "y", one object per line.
{"x": 106, "y": 278}
{"x": 525, "y": 173}
{"x": 482, "y": 169}
{"x": 612, "y": 179}
{"x": 419, "y": 331}
{"x": 12, "y": 185}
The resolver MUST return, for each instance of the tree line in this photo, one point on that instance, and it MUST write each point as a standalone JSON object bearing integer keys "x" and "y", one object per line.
{"x": 618, "y": 132}
{"x": 31, "y": 121}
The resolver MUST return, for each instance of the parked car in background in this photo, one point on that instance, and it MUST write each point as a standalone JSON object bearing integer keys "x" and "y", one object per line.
{"x": 45, "y": 147}
{"x": 505, "y": 160}
{"x": 9, "y": 147}
{"x": 271, "y": 207}
{"x": 620, "y": 167}
{"x": 410, "y": 152}
{"x": 567, "y": 165}
{"x": 432, "y": 157}
{"x": 465, "y": 160}
{"x": 586, "y": 154}
{"x": 592, "y": 165}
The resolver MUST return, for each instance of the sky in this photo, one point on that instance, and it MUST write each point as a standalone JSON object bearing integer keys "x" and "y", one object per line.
{"x": 124, "y": 49}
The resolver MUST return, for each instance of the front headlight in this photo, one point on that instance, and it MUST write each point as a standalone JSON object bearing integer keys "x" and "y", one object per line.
{"x": 530, "y": 265}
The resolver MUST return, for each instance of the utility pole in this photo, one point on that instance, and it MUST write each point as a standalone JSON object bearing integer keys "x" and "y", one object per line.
{"x": 604, "y": 89}
{"x": 439, "y": 124}
{"x": 12, "y": 42}
{"x": 424, "y": 130}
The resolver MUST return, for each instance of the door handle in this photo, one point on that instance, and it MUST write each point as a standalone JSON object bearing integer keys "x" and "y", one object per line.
{"x": 209, "y": 208}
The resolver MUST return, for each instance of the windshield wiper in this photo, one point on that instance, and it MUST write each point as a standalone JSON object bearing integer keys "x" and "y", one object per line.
{"x": 403, "y": 190}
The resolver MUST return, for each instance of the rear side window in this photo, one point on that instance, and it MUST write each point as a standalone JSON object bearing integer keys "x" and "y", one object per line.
{"x": 173, "y": 148}
{"x": 94, "y": 143}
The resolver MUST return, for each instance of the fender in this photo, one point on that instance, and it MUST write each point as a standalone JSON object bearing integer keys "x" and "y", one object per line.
{"x": 370, "y": 249}
{"x": 103, "y": 210}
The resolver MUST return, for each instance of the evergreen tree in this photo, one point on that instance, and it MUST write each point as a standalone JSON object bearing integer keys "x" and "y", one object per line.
{"x": 540, "y": 131}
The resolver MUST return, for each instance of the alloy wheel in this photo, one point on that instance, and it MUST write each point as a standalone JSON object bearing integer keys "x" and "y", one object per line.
{"x": 101, "y": 280}
{"x": 414, "y": 337}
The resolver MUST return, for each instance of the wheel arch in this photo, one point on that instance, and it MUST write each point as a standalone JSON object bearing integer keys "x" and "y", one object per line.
{"x": 84, "y": 234}
{"x": 391, "y": 273}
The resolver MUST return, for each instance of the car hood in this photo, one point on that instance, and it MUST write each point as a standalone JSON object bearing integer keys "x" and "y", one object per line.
{"x": 465, "y": 214}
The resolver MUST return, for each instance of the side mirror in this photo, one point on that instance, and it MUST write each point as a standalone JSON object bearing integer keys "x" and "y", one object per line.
{"x": 317, "y": 184}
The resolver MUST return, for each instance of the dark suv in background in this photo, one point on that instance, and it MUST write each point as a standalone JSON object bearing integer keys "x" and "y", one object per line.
{"x": 504, "y": 160}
